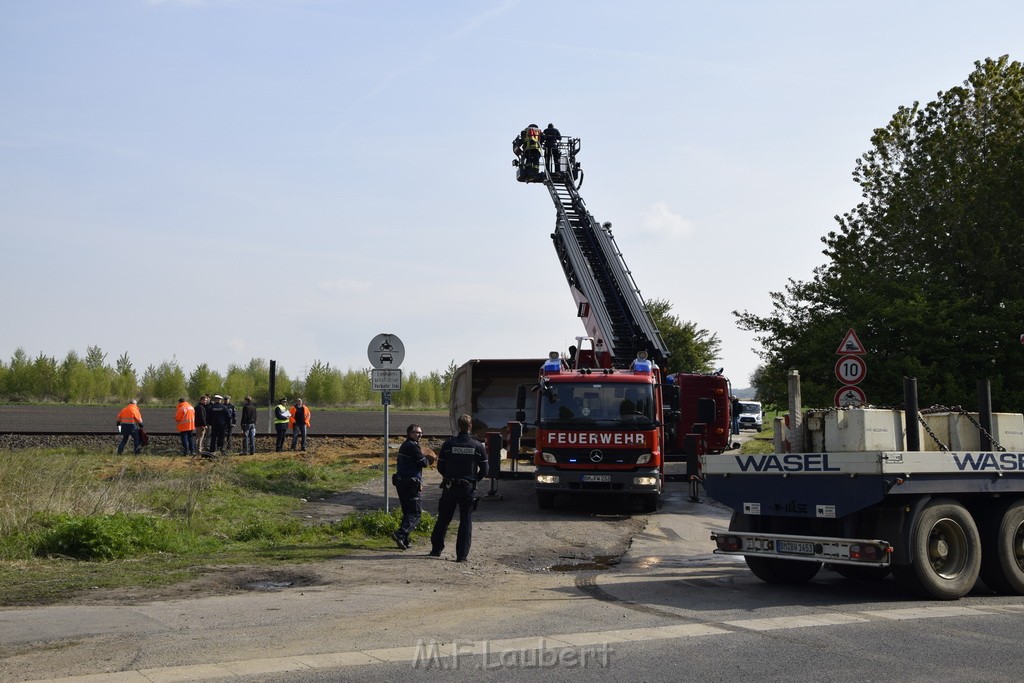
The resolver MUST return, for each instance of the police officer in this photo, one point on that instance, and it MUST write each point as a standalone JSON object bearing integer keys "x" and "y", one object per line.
{"x": 409, "y": 482}
{"x": 462, "y": 462}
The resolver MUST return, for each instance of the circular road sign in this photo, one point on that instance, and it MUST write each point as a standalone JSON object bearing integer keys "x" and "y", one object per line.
{"x": 850, "y": 396}
{"x": 851, "y": 369}
{"x": 386, "y": 351}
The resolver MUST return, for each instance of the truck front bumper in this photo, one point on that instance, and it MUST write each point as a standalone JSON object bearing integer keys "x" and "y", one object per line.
{"x": 646, "y": 480}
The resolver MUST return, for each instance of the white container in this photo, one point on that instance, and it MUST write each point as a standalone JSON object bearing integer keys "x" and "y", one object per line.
{"x": 864, "y": 429}
{"x": 959, "y": 433}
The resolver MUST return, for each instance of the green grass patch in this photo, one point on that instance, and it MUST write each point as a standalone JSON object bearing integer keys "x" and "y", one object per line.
{"x": 75, "y": 521}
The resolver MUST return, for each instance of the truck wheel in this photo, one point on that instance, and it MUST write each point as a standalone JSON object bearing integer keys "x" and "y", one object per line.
{"x": 771, "y": 570}
{"x": 1002, "y": 557}
{"x": 945, "y": 553}
{"x": 545, "y": 500}
{"x": 854, "y": 573}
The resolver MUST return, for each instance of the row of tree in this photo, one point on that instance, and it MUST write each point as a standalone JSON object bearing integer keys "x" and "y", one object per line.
{"x": 90, "y": 379}
{"x": 927, "y": 267}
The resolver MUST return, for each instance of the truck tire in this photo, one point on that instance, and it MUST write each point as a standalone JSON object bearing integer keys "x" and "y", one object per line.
{"x": 945, "y": 553}
{"x": 1002, "y": 543}
{"x": 771, "y": 570}
{"x": 545, "y": 500}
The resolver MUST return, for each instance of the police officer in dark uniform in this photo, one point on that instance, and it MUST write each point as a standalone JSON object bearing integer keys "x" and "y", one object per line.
{"x": 409, "y": 482}
{"x": 462, "y": 462}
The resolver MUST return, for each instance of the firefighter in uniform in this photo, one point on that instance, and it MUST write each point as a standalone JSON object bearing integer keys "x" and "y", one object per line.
{"x": 462, "y": 462}
{"x": 530, "y": 140}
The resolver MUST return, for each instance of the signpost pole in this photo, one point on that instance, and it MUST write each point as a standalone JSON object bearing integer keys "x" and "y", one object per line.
{"x": 385, "y": 399}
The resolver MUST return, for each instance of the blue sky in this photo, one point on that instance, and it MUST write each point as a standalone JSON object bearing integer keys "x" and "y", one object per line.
{"x": 219, "y": 180}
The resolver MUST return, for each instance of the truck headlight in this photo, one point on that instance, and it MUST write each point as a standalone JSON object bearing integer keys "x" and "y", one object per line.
{"x": 547, "y": 478}
{"x": 548, "y": 457}
{"x": 645, "y": 481}
{"x": 643, "y": 459}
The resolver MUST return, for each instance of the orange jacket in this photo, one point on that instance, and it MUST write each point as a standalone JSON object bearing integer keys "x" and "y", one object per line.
{"x": 305, "y": 413}
{"x": 185, "y": 417}
{"x": 129, "y": 415}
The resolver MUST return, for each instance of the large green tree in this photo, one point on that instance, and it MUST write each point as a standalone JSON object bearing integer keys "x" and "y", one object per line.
{"x": 927, "y": 267}
{"x": 691, "y": 349}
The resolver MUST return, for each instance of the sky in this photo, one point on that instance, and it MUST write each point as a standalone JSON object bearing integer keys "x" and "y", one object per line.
{"x": 212, "y": 181}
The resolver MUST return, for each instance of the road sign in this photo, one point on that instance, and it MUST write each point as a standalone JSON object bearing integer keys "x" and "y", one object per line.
{"x": 851, "y": 369}
{"x": 386, "y": 380}
{"x": 850, "y": 396}
{"x": 386, "y": 351}
{"x": 851, "y": 345}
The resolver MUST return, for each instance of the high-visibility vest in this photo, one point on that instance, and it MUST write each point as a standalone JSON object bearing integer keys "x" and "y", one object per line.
{"x": 185, "y": 417}
{"x": 531, "y": 138}
{"x": 130, "y": 415}
{"x": 305, "y": 417}
{"x": 280, "y": 409}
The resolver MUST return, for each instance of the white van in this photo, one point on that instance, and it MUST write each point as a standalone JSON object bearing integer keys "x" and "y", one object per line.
{"x": 751, "y": 416}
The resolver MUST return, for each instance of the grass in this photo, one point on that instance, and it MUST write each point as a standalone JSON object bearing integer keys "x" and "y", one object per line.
{"x": 71, "y": 521}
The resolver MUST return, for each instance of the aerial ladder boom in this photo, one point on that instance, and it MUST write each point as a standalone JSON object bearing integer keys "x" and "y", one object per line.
{"x": 607, "y": 298}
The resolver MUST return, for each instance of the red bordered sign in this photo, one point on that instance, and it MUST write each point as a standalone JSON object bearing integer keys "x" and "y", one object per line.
{"x": 850, "y": 396}
{"x": 851, "y": 369}
{"x": 850, "y": 345}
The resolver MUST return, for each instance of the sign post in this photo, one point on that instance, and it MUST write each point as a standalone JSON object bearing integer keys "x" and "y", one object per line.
{"x": 386, "y": 352}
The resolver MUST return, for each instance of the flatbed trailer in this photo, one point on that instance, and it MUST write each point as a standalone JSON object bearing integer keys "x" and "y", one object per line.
{"x": 937, "y": 520}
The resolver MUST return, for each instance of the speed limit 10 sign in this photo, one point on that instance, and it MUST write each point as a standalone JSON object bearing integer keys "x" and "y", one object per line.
{"x": 851, "y": 369}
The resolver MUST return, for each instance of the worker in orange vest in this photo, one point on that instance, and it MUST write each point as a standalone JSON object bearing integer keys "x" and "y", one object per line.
{"x": 299, "y": 423}
{"x": 186, "y": 419}
{"x": 129, "y": 422}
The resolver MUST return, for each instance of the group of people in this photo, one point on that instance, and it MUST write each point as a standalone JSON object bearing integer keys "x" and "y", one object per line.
{"x": 528, "y": 145}
{"x": 462, "y": 462}
{"x": 208, "y": 426}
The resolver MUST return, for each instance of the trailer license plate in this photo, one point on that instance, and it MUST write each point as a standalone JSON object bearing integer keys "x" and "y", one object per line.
{"x": 794, "y": 547}
{"x": 601, "y": 478}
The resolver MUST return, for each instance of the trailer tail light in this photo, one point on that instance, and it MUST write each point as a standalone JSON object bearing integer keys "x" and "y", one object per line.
{"x": 866, "y": 552}
{"x": 729, "y": 543}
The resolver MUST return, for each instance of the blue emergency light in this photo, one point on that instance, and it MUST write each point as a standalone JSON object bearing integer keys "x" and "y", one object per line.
{"x": 553, "y": 364}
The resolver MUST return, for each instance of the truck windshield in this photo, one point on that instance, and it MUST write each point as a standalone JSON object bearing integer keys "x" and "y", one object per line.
{"x": 587, "y": 405}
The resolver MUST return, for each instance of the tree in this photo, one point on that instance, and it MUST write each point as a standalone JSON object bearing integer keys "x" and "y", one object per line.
{"x": 690, "y": 349}
{"x": 926, "y": 267}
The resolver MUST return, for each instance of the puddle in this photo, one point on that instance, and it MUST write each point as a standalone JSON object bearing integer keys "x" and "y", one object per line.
{"x": 599, "y": 563}
{"x": 270, "y": 585}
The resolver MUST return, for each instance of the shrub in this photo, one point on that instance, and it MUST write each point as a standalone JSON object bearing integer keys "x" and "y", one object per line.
{"x": 103, "y": 537}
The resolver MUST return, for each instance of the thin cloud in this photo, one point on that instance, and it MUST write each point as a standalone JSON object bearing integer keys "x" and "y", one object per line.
{"x": 660, "y": 221}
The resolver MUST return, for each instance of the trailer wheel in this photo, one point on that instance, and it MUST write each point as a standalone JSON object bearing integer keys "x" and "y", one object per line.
{"x": 771, "y": 570}
{"x": 855, "y": 573}
{"x": 1002, "y": 542}
{"x": 545, "y": 500}
{"x": 945, "y": 553}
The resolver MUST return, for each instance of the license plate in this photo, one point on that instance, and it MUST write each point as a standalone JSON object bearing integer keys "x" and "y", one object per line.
{"x": 599, "y": 478}
{"x": 794, "y": 547}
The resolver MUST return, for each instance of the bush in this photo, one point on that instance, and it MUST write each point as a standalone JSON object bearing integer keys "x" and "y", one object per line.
{"x": 103, "y": 537}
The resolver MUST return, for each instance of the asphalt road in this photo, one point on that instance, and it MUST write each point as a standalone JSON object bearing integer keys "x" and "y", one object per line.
{"x": 84, "y": 419}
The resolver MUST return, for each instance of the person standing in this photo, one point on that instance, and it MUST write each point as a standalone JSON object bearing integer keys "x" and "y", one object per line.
{"x": 409, "y": 482}
{"x": 531, "y": 150}
{"x": 129, "y": 422}
{"x": 202, "y": 426}
{"x": 462, "y": 462}
{"x": 299, "y": 422}
{"x": 232, "y": 421}
{"x": 218, "y": 418}
{"x": 281, "y": 416}
{"x": 550, "y": 139}
{"x": 186, "y": 419}
{"x": 248, "y": 427}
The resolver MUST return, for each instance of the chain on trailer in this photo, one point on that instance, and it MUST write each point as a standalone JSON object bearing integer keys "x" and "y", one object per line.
{"x": 959, "y": 410}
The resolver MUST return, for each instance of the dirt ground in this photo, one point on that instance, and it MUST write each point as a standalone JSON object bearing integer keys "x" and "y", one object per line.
{"x": 510, "y": 533}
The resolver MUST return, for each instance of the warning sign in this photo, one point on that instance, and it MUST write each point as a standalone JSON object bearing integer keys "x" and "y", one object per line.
{"x": 851, "y": 345}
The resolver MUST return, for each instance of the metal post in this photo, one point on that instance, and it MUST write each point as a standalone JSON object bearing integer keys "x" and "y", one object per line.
{"x": 796, "y": 417}
{"x": 385, "y": 399}
{"x": 912, "y": 414}
{"x": 272, "y": 397}
{"x": 985, "y": 413}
